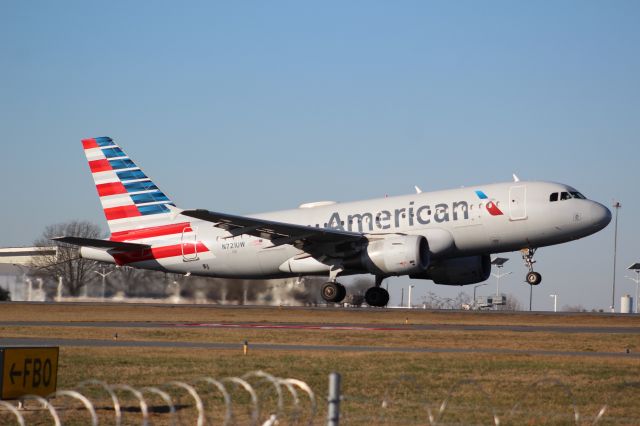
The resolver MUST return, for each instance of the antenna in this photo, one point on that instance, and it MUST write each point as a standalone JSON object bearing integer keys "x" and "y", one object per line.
{"x": 516, "y": 178}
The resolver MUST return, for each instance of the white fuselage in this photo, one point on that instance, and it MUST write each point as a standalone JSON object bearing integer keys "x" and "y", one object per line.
{"x": 455, "y": 222}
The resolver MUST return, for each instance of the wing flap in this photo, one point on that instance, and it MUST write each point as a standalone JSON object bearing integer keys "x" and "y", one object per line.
{"x": 278, "y": 232}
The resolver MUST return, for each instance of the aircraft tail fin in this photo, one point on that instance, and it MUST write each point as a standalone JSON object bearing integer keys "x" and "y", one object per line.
{"x": 130, "y": 199}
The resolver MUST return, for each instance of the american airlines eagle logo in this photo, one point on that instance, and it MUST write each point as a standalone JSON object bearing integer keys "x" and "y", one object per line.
{"x": 491, "y": 206}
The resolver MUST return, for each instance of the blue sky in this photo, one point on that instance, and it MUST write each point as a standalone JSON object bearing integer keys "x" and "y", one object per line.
{"x": 257, "y": 106}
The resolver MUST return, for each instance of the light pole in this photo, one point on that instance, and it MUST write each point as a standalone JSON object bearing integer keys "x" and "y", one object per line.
{"x": 499, "y": 263}
{"x": 474, "y": 292}
{"x": 636, "y": 268}
{"x": 616, "y": 206}
{"x": 555, "y": 302}
{"x": 24, "y": 281}
{"x": 28, "y": 281}
{"x": 59, "y": 289}
{"x": 409, "y": 301}
{"x": 104, "y": 277}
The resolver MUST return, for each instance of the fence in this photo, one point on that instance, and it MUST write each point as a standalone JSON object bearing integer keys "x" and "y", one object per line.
{"x": 258, "y": 398}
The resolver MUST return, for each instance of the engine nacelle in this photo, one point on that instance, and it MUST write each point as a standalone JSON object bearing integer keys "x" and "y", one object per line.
{"x": 399, "y": 255}
{"x": 458, "y": 271}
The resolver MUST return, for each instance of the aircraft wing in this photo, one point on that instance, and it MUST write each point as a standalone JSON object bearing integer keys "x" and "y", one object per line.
{"x": 94, "y": 242}
{"x": 278, "y": 232}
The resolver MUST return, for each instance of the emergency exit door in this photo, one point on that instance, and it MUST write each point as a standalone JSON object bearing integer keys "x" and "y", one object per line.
{"x": 189, "y": 244}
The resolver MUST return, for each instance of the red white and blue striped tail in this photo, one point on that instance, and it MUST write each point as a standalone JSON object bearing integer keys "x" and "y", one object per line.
{"x": 130, "y": 200}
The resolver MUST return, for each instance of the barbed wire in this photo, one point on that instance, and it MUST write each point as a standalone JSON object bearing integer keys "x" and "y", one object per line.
{"x": 260, "y": 399}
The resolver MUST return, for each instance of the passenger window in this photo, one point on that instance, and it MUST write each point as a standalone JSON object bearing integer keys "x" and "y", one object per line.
{"x": 554, "y": 197}
{"x": 565, "y": 196}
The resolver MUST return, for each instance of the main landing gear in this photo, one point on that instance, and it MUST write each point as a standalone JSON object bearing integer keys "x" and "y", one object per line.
{"x": 377, "y": 296}
{"x": 333, "y": 292}
{"x": 533, "y": 278}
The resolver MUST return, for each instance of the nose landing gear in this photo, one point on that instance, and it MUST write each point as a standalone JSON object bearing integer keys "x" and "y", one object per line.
{"x": 533, "y": 278}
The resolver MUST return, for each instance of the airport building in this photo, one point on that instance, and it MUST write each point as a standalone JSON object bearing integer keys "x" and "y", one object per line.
{"x": 15, "y": 268}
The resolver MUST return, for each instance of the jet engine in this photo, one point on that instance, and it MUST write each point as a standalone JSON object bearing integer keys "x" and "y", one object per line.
{"x": 399, "y": 255}
{"x": 458, "y": 271}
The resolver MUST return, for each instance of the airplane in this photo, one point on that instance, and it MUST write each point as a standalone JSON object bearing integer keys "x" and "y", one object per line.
{"x": 447, "y": 236}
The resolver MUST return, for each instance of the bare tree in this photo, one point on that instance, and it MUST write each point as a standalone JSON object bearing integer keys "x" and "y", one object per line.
{"x": 75, "y": 271}
{"x": 462, "y": 299}
{"x": 134, "y": 282}
{"x": 573, "y": 308}
{"x": 513, "y": 304}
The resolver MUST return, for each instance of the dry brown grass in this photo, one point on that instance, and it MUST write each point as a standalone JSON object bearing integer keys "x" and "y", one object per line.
{"x": 481, "y": 339}
{"x": 409, "y": 382}
{"x": 211, "y": 313}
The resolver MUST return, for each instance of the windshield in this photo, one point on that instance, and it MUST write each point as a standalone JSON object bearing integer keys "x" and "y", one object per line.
{"x": 578, "y": 195}
{"x": 568, "y": 195}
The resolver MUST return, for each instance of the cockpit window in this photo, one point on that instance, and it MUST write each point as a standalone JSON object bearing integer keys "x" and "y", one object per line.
{"x": 566, "y": 195}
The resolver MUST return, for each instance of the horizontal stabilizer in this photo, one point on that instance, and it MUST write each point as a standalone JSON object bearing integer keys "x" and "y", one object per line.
{"x": 94, "y": 242}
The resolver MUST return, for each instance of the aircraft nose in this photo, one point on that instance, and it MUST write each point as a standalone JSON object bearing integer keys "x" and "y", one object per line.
{"x": 600, "y": 215}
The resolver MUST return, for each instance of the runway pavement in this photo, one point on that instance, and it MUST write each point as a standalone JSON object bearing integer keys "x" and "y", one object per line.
{"x": 332, "y": 327}
{"x": 24, "y": 341}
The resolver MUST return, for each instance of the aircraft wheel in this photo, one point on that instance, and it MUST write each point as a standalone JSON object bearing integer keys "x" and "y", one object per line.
{"x": 333, "y": 292}
{"x": 342, "y": 293}
{"x": 377, "y": 296}
{"x": 534, "y": 278}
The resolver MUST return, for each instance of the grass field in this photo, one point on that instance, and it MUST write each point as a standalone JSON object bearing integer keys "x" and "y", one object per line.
{"x": 378, "y": 387}
{"x": 210, "y": 313}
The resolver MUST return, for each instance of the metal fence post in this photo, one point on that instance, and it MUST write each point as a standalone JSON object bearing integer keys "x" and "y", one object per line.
{"x": 333, "y": 413}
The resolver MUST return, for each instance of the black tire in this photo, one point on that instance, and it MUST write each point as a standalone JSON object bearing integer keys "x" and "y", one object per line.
{"x": 333, "y": 292}
{"x": 342, "y": 293}
{"x": 534, "y": 278}
{"x": 377, "y": 296}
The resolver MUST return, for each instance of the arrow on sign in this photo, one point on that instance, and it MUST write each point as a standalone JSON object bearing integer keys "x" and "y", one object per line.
{"x": 13, "y": 373}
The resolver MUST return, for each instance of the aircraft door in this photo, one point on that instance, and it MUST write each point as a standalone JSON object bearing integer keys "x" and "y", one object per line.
{"x": 518, "y": 202}
{"x": 189, "y": 244}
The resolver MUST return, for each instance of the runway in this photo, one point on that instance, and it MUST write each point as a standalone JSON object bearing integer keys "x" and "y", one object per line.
{"x": 331, "y": 327}
{"x": 276, "y": 347}
{"x": 318, "y": 327}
